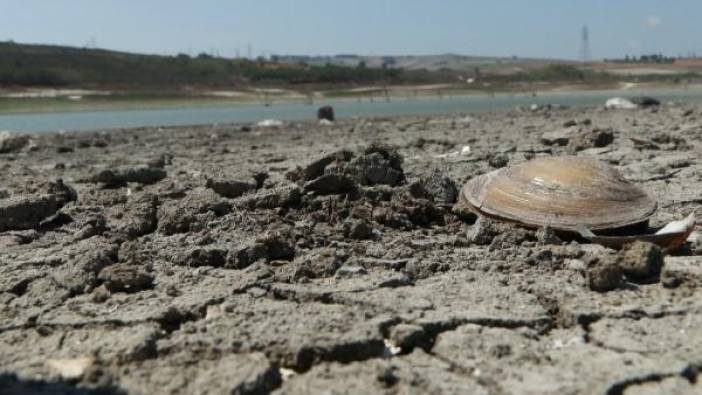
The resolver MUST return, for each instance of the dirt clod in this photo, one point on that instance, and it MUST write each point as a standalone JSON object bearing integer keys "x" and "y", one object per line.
{"x": 604, "y": 273}
{"x": 641, "y": 260}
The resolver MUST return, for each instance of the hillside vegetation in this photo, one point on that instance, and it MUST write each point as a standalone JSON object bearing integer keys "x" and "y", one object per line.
{"x": 54, "y": 66}
{"x": 23, "y": 65}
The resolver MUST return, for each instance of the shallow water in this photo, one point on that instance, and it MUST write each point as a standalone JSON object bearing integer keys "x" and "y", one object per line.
{"x": 344, "y": 108}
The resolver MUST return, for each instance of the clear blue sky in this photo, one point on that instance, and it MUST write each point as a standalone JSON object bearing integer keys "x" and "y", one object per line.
{"x": 527, "y": 28}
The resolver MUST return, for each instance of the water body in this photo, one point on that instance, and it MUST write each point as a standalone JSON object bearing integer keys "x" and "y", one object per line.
{"x": 344, "y": 108}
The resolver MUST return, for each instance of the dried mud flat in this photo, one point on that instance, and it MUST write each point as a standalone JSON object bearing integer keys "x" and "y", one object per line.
{"x": 328, "y": 259}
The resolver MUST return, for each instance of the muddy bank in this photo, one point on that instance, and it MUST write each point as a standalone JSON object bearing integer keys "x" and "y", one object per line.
{"x": 305, "y": 258}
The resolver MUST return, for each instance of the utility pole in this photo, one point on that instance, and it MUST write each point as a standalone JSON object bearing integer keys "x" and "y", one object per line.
{"x": 585, "y": 53}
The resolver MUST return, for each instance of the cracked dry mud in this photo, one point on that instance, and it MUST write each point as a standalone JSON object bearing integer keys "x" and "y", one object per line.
{"x": 309, "y": 259}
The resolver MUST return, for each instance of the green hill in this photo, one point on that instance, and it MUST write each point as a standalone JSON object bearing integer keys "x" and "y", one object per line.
{"x": 53, "y": 66}
{"x": 44, "y": 65}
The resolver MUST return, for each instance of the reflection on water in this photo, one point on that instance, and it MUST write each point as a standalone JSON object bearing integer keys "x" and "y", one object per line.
{"x": 100, "y": 120}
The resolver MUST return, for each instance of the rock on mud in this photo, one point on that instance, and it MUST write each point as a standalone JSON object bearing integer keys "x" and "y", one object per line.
{"x": 326, "y": 113}
{"x": 341, "y": 172}
{"x": 378, "y": 165}
{"x": 125, "y": 278}
{"x": 436, "y": 187}
{"x": 28, "y": 211}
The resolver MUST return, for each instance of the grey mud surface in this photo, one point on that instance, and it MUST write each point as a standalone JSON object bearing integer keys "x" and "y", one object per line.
{"x": 328, "y": 259}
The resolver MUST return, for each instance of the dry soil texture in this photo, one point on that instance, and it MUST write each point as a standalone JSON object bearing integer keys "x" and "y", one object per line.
{"x": 328, "y": 259}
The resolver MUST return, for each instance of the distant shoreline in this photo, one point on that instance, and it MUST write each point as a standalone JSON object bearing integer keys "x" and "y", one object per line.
{"x": 220, "y": 113}
{"x": 37, "y": 101}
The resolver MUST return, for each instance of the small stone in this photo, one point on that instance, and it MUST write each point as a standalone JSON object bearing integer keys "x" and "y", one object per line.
{"x": 641, "y": 260}
{"x": 386, "y": 375}
{"x": 100, "y": 294}
{"x": 125, "y": 278}
{"x": 70, "y": 368}
{"x": 407, "y": 337}
{"x": 602, "y": 138}
{"x": 326, "y": 113}
{"x": 498, "y": 160}
{"x": 569, "y": 123}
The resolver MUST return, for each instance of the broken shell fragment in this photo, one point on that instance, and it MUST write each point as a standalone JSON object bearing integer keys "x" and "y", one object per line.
{"x": 670, "y": 237}
{"x": 565, "y": 193}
